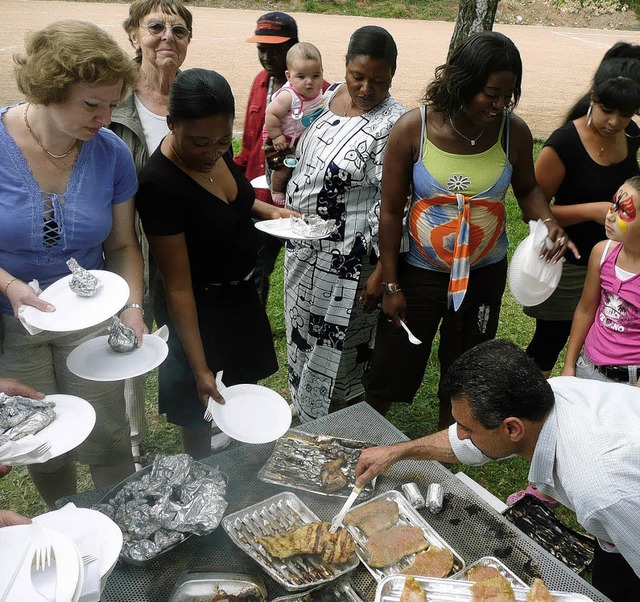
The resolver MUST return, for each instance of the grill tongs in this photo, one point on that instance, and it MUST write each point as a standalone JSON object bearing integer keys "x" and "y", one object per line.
{"x": 337, "y": 521}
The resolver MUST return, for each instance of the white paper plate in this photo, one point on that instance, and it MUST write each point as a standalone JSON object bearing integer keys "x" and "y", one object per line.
{"x": 74, "y": 312}
{"x": 281, "y": 228}
{"x": 95, "y": 360}
{"x": 92, "y": 532}
{"x": 74, "y": 421}
{"x": 252, "y": 414}
{"x": 260, "y": 182}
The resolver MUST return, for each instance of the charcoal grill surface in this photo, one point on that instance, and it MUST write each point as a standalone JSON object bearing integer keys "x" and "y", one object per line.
{"x": 466, "y": 522}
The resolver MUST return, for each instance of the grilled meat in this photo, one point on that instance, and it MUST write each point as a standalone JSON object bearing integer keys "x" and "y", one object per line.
{"x": 482, "y": 573}
{"x": 386, "y": 548}
{"x": 412, "y": 591}
{"x": 497, "y": 589}
{"x": 435, "y": 562}
{"x": 374, "y": 516}
{"x": 313, "y": 538}
{"x": 539, "y": 592}
{"x": 331, "y": 475}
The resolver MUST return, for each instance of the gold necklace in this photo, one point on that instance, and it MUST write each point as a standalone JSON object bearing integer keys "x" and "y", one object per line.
{"x": 603, "y": 148}
{"x": 206, "y": 177}
{"x": 471, "y": 141}
{"x": 46, "y": 150}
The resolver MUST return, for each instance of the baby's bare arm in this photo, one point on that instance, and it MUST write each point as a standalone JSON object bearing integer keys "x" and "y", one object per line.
{"x": 276, "y": 110}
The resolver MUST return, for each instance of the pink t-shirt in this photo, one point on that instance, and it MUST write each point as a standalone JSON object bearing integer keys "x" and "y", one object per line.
{"x": 302, "y": 112}
{"x": 614, "y": 336}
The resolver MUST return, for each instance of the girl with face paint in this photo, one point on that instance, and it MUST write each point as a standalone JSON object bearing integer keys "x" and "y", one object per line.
{"x": 605, "y": 334}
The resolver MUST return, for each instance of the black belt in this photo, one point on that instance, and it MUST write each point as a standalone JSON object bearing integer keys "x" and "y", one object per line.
{"x": 618, "y": 373}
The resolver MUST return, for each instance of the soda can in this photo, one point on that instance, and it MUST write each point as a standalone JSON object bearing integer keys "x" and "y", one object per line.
{"x": 412, "y": 493}
{"x": 435, "y": 498}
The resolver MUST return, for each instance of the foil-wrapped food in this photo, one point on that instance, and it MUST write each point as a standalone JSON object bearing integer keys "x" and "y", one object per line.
{"x": 312, "y": 225}
{"x": 22, "y": 416}
{"x": 159, "y": 507}
{"x": 83, "y": 283}
{"x": 121, "y": 338}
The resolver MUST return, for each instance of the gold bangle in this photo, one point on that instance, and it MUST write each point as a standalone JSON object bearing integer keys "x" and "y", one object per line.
{"x": 6, "y": 288}
{"x": 549, "y": 219}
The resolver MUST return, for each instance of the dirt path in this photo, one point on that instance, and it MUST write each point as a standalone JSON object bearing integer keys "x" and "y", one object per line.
{"x": 558, "y": 62}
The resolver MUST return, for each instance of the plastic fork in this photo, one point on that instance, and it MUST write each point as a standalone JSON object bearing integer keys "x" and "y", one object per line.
{"x": 42, "y": 449}
{"x": 337, "y": 521}
{"x": 42, "y": 554}
{"x": 208, "y": 414}
{"x": 88, "y": 559}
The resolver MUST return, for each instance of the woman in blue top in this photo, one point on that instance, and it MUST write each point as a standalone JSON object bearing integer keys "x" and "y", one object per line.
{"x": 66, "y": 190}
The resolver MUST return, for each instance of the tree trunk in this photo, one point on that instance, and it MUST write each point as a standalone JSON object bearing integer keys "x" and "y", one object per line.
{"x": 473, "y": 16}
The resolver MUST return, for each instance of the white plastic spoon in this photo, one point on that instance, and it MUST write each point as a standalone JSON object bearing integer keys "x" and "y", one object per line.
{"x": 412, "y": 339}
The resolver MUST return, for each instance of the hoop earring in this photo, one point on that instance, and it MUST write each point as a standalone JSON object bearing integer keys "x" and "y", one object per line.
{"x": 589, "y": 115}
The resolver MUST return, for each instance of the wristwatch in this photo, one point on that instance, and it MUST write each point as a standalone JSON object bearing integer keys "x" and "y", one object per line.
{"x": 390, "y": 288}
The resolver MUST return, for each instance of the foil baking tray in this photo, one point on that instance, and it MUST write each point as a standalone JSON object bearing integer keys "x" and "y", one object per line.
{"x": 203, "y": 587}
{"x": 408, "y": 515}
{"x": 339, "y": 591}
{"x": 298, "y": 458}
{"x": 449, "y": 590}
{"x": 276, "y": 516}
{"x": 507, "y": 573}
{"x": 138, "y": 475}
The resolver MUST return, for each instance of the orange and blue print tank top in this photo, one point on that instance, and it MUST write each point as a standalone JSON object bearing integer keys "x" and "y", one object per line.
{"x": 457, "y": 215}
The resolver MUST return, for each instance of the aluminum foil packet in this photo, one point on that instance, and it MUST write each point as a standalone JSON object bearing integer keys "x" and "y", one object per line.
{"x": 412, "y": 493}
{"x": 175, "y": 498}
{"x": 83, "y": 282}
{"x": 22, "y": 416}
{"x": 312, "y": 225}
{"x": 121, "y": 338}
{"x": 435, "y": 498}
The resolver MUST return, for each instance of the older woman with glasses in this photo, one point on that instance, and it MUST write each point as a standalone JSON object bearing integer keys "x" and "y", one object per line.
{"x": 160, "y": 31}
{"x": 456, "y": 157}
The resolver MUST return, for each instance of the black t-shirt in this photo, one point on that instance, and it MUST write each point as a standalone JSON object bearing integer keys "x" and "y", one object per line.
{"x": 587, "y": 182}
{"x": 221, "y": 239}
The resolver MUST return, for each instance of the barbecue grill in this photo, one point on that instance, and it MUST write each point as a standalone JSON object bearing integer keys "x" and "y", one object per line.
{"x": 467, "y": 523}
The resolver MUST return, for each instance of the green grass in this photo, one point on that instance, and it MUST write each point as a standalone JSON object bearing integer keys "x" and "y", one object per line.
{"x": 416, "y": 420}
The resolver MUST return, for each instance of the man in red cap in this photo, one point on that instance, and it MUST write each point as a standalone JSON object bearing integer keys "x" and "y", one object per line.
{"x": 275, "y": 33}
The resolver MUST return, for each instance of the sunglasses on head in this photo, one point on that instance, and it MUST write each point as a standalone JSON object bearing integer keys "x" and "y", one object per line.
{"x": 179, "y": 32}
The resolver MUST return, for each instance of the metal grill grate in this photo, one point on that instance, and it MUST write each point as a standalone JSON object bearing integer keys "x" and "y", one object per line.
{"x": 466, "y": 523}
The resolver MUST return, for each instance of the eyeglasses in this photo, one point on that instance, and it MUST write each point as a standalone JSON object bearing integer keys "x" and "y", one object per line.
{"x": 179, "y": 32}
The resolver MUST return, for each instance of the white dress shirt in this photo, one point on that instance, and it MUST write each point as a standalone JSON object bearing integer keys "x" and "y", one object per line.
{"x": 588, "y": 458}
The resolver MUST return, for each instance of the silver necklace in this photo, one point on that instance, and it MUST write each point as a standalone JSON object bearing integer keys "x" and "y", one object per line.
{"x": 206, "y": 177}
{"x": 46, "y": 150}
{"x": 471, "y": 141}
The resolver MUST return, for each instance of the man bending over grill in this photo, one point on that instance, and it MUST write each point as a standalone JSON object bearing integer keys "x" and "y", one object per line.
{"x": 581, "y": 437}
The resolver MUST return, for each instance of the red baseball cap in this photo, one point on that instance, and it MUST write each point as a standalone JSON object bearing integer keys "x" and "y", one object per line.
{"x": 275, "y": 28}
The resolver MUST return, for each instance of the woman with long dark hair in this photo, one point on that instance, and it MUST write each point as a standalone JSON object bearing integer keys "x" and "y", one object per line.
{"x": 455, "y": 156}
